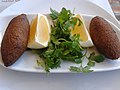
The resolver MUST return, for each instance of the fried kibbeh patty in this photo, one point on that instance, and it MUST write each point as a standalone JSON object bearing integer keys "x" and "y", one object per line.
{"x": 15, "y": 39}
{"x": 104, "y": 38}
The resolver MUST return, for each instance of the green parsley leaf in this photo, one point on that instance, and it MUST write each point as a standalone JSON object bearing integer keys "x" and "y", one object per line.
{"x": 75, "y": 69}
{"x": 97, "y": 58}
{"x": 86, "y": 69}
{"x": 54, "y": 14}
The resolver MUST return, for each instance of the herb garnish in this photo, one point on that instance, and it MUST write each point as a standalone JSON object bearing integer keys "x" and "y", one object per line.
{"x": 64, "y": 46}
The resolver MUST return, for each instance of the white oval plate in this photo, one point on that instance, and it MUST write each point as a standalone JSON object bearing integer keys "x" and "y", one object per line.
{"x": 27, "y": 62}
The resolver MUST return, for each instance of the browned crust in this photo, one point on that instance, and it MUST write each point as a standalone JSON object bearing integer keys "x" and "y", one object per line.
{"x": 15, "y": 39}
{"x": 104, "y": 38}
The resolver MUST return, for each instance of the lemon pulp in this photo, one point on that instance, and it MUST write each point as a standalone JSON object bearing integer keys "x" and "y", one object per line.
{"x": 43, "y": 30}
{"x": 39, "y": 32}
{"x": 80, "y": 30}
{"x": 85, "y": 39}
{"x": 33, "y": 30}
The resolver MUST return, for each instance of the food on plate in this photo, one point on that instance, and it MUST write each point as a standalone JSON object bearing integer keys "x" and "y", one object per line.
{"x": 15, "y": 39}
{"x": 66, "y": 39}
{"x": 64, "y": 44}
{"x": 104, "y": 38}
{"x": 39, "y": 32}
{"x": 85, "y": 39}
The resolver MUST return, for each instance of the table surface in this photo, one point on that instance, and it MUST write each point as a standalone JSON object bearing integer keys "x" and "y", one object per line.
{"x": 13, "y": 80}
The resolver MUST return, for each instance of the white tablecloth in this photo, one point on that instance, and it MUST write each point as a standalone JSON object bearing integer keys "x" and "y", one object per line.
{"x": 12, "y": 80}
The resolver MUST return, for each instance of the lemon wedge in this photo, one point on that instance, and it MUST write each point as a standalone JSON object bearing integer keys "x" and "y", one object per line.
{"x": 85, "y": 39}
{"x": 39, "y": 32}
